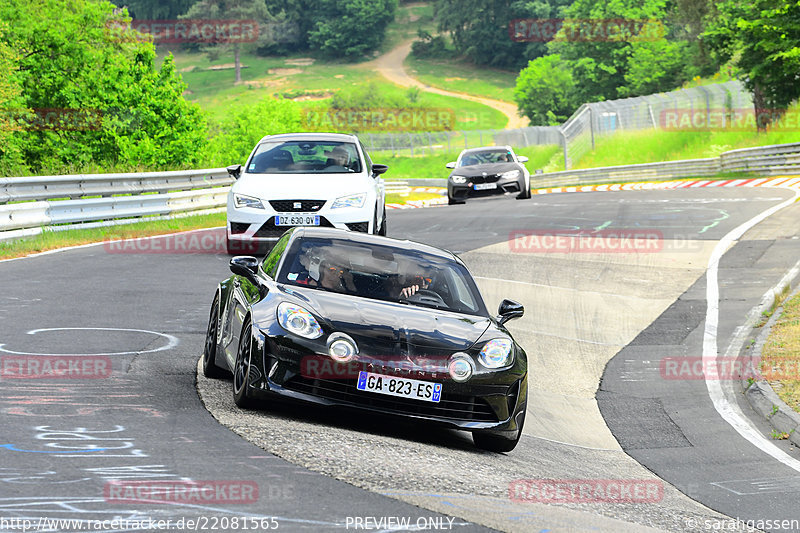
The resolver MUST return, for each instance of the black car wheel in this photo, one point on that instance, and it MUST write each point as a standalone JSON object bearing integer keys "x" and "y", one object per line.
{"x": 524, "y": 192}
{"x": 230, "y": 247}
{"x": 497, "y": 442}
{"x": 211, "y": 370}
{"x": 241, "y": 370}
{"x": 453, "y": 201}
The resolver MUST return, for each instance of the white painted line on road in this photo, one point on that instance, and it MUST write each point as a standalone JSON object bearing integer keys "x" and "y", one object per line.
{"x": 172, "y": 341}
{"x": 729, "y": 411}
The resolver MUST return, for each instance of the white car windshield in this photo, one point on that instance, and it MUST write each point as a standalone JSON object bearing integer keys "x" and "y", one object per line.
{"x": 483, "y": 157}
{"x": 305, "y": 157}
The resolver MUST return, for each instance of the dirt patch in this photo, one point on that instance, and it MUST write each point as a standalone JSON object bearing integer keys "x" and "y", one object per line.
{"x": 225, "y": 66}
{"x": 264, "y": 83}
{"x": 311, "y": 97}
{"x": 455, "y": 79}
{"x": 300, "y": 61}
{"x": 284, "y": 71}
{"x": 339, "y": 76}
{"x": 188, "y": 69}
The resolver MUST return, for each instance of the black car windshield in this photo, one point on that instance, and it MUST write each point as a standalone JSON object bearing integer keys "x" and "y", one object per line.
{"x": 485, "y": 156}
{"x": 382, "y": 273}
{"x": 305, "y": 157}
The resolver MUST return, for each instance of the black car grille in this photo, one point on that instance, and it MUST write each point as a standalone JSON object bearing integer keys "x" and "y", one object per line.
{"x": 363, "y": 227}
{"x": 451, "y": 407}
{"x": 489, "y": 178}
{"x": 288, "y": 206}
{"x": 269, "y": 229}
{"x": 238, "y": 227}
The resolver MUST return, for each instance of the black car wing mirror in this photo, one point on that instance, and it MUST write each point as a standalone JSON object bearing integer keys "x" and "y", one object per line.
{"x": 377, "y": 170}
{"x": 235, "y": 171}
{"x": 246, "y": 266}
{"x": 508, "y": 310}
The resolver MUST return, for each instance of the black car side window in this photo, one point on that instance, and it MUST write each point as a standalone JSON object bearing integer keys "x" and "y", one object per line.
{"x": 270, "y": 265}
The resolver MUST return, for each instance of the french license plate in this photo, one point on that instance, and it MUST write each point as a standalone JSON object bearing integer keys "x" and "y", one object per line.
{"x": 484, "y": 186}
{"x": 396, "y": 386}
{"x": 297, "y": 220}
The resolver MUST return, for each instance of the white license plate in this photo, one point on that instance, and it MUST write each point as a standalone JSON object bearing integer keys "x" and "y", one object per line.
{"x": 296, "y": 220}
{"x": 403, "y": 387}
{"x": 484, "y": 186}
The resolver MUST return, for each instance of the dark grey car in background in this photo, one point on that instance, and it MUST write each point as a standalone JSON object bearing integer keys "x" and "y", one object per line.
{"x": 488, "y": 171}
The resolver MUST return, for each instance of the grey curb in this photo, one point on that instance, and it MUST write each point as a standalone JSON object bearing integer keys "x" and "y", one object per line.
{"x": 761, "y": 396}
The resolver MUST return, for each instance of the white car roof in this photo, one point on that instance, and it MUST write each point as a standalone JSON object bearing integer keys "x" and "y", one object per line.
{"x": 342, "y": 137}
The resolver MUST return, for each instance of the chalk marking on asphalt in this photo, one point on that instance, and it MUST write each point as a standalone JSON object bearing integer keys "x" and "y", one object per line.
{"x": 728, "y": 411}
{"x": 172, "y": 341}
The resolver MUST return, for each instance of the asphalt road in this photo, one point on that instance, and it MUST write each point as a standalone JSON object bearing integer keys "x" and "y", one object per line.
{"x": 65, "y": 440}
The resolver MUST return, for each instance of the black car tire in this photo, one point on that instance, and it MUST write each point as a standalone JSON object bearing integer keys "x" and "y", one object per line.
{"x": 524, "y": 193}
{"x": 495, "y": 442}
{"x": 241, "y": 370}
{"x": 382, "y": 231}
{"x": 211, "y": 370}
{"x": 229, "y": 246}
{"x": 453, "y": 201}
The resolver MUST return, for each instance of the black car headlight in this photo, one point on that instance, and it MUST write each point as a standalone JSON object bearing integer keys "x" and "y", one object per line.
{"x": 298, "y": 320}
{"x": 460, "y": 367}
{"x": 341, "y": 347}
{"x": 458, "y": 179}
{"x": 497, "y": 353}
{"x": 510, "y": 175}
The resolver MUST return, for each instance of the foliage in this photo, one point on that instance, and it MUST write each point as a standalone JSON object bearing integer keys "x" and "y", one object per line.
{"x": 546, "y": 91}
{"x": 350, "y": 28}
{"x": 762, "y": 39}
{"x": 480, "y": 28}
{"x": 369, "y": 96}
{"x": 429, "y": 46}
{"x": 10, "y": 100}
{"x": 86, "y": 65}
{"x": 155, "y": 9}
{"x": 237, "y": 135}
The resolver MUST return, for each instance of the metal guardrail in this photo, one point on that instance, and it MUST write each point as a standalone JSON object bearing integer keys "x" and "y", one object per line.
{"x": 28, "y": 204}
{"x": 769, "y": 160}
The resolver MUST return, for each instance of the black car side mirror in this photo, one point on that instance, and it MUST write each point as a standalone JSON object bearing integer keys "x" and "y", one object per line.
{"x": 235, "y": 171}
{"x": 508, "y": 310}
{"x": 245, "y": 266}
{"x": 377, "y": 170}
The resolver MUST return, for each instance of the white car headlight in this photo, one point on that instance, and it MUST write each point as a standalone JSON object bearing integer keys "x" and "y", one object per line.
{"x": 298, "y": 320}
{"x": 496, "y": 353}
{"x": 241, "y": 200}
{"x": 510, "y": 175}
{"x": 353, "y": 200}
{"x": 458, "y": 179}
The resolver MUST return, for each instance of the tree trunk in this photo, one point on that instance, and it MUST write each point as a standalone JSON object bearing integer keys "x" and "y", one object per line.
{"x": 238, "y": 65}
{"x": 762, "y": 113}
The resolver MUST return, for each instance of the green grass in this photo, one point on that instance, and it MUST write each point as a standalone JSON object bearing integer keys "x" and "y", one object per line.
{"x": 648, "y": 146}
{"x": 433, "y": 166}
{"x": 50, "y": 240}
{"x": 461, "y": 77}
{"x": 214, "y": 90}
{"x": 780, "y": 358}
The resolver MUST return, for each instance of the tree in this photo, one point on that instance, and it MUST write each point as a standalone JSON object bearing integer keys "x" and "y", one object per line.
{"x": 545, "y": 91}
{"x": 10, "y": 103}
{"x": 229, "y": 10}
{"x": 155, "y": 9}
{"x": 90, "y": 65}
{"x": 350, "y": 28}
{"x": 479, "y": 28}
{"x": 763, "y": 40}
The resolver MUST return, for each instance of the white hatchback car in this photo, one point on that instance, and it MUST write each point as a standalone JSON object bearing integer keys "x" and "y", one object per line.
{"x": 304, "y": 179}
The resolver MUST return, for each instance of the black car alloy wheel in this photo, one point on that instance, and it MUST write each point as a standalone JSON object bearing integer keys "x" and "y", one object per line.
{"x": 241, "y": 370}
{"x": 496, "y": 442}
{"x": 211, "y": 370}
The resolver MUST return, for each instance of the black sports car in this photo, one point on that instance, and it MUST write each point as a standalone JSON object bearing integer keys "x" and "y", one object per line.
{"x": 488, "y": 171}
{"x": 340, "y": 318}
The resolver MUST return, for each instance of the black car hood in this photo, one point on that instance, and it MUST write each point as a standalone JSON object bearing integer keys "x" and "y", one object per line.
{"x": 389, "y": 328}
{"x": 489, "y": 168}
